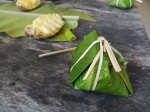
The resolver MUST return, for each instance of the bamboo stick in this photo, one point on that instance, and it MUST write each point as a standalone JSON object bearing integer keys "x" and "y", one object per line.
{"x": 92, "y": 65}
{"x": 57, "y": 52}
{"x": 112, "y": 57}
{"x": 99, "y": 66}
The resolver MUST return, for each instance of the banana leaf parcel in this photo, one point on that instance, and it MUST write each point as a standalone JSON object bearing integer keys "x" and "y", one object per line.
{"x": 123, "y": 4}
{"x": 97, "y": 66}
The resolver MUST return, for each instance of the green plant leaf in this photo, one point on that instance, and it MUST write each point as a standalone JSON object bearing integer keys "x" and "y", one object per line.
{"x": 14, "y": 21}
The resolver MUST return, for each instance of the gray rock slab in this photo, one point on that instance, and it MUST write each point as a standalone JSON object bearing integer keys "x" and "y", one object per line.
{"x": 32, "y": 84}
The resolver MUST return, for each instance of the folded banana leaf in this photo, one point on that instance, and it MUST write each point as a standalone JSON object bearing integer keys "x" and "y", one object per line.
{"x": 104, "y": 77}
{"x": 123, "y": 4}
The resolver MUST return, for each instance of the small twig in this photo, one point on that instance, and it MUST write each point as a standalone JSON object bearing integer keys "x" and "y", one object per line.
{"x": 57, "y": 52}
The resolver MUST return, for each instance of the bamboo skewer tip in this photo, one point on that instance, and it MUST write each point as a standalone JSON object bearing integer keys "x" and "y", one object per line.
{"x": 57, "y": 52}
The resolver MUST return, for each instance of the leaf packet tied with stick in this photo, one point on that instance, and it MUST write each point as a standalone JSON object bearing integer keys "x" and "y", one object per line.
{"x": 123, "y": 4}
{"x": 97, "y": 66}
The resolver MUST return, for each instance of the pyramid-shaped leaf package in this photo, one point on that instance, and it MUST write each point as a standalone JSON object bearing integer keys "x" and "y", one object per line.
{"x": 97, "y": 66}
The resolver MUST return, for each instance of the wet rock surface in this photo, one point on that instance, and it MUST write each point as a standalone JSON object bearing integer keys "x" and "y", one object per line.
{"x": 32, "y": 84}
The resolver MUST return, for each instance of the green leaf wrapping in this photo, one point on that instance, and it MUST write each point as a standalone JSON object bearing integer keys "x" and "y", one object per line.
{"x": 70, "y": 36}
{"x": 123, "y": 4}
{"x": 110, "y": 81}
{"x": 14, "y": 21}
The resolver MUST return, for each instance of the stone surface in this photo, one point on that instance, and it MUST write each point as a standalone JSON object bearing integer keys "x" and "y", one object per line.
{"x": 32, "y": 84}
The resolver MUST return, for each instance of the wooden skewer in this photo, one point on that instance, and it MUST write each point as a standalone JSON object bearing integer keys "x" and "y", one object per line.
{"x": 92, "y": 65}
{"x": 112, "y": 57}
{"x": 57, "y": 52}
{"x": 99, "y": 65}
